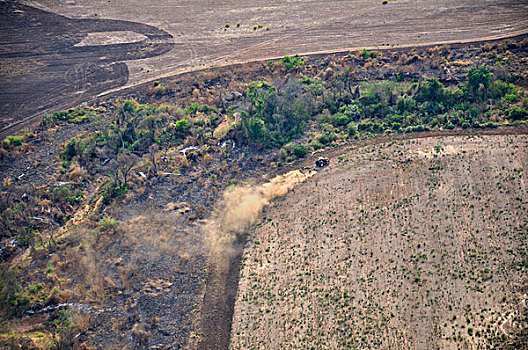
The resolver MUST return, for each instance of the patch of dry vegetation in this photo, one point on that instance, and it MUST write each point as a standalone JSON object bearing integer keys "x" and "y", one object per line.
{"x": 413, "y": 244}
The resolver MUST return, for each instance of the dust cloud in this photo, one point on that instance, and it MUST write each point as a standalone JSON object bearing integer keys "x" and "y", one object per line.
{"x": 241, "y": 206}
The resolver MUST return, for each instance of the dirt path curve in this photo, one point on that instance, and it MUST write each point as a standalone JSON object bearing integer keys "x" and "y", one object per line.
{"x": 222, "y": 281}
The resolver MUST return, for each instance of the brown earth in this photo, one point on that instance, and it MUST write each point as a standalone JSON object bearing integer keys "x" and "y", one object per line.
{"x": 54, "y": 62}
{"x": 407, "y": 244}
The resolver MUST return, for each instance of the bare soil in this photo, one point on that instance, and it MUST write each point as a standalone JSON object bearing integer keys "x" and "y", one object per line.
{"x": 409, "y": 244}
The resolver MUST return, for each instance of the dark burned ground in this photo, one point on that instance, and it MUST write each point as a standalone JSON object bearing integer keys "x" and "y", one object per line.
{"x": 167, "y": 265}
{"x": 43, "y": 67}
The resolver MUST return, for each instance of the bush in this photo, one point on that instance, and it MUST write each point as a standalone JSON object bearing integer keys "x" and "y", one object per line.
{"x": 510, "y": 98}
{"x": 182, "y": 127}
{"x": 283, "y": 154}
{"x": 67, "y": 194}
{"x": 316, "y": 145}
{"x": 326, "y": 137}
{"x": 299, "y": 151}
{"x": 257, "y": 130}
{"x": 72, "y": 149}
{"x": 352, "y": 129}
{"x": 518, "y": 113}
{"x": 352, "y": 111}
{"x": 159, "y": 89}
{"x": 342, "y": 120}
{"x": 12, "y": 141}
{"x": 290, "y": 62}
{"x": 108, "y": 223}
{"x": 491, "y": 125}
{"x": 366, "y": 54}
{"x": 449, "y": 126}
{"x": 130, "y": 106}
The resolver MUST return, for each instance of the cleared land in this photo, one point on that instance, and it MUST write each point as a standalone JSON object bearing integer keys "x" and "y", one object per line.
{"x": 412, "y": 244}
{"x": 94, "y": 40}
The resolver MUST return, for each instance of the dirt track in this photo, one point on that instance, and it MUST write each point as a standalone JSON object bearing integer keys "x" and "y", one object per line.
{"x": 171, "y": 38}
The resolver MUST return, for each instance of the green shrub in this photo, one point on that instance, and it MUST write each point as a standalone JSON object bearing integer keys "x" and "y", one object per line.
{"x": 13, "y": 141}
{"x": 510, "y": 98}
{"x": 449, "y": 126}
{"x": 491, "y": 125}
{"x": 159, "y": 88}
{"x": 518, "y": 113}
{"x": 366, "y": 54}
{"x": 257, "y": 130}
{"x": 108, "y": 223}
{"x": 342, "y": 120}
{"x": 130, "y": 106}
{"x": 290, "y": 62}
{"x": 326, "y": 137}
{"x": 479, "y": 79}
{"x": 316, "y": 144}
{"x": 352, "y": 129}
{"x": 283, "y": 154}
{"x": 112, "y": 190}
{"x": 299, "y": 151}
{"x": 182, "y": 127}
{"x": 71, "y": 149}
{"x": 67, "y": 194}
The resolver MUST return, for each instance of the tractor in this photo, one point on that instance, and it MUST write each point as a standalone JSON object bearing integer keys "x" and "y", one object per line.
{"x": 322, "y": 162}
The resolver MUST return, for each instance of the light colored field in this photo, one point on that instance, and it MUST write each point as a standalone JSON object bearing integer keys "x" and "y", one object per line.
{"x": 410, "y": 245}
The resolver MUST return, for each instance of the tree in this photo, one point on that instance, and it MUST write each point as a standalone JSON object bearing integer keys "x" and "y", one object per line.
{"x": 125, "y": 161}
{"x": 479, "y": 81}
{"x": 257, "y": 130}
{"x": 153, "y": 150}
{"x": 432, "y": 91}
